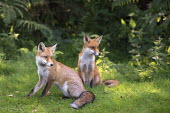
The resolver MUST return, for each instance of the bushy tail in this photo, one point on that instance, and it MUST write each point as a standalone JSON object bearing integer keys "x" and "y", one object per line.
{"x": 84, "y": 98}
{"x": 110, "y": 82}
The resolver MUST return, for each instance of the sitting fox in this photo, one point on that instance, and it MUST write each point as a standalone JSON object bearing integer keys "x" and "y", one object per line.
{"x": 87, "y": 68}
{"x": 65, "y": 78}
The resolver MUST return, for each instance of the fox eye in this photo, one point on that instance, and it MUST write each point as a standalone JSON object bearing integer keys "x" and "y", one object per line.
{"x": 45, "y": 56}
{"x": 92, "y": 47}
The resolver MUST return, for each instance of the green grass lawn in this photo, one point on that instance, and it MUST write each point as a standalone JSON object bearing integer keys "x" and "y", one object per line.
{"x": 17, "y": 78}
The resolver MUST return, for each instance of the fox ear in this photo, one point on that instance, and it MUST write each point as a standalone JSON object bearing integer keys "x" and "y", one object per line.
{"x": 41, "y": 47}
{"x": 86, "y": 38}
{"x": 99, "y": 38}
{"x": 53, "y": 48}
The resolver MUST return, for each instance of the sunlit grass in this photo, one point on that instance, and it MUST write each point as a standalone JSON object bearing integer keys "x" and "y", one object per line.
{"x": 17, "y": 78}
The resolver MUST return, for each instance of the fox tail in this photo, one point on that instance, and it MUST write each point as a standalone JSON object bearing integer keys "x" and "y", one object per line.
{"x": 84, "y": 98}
{"x": 110, "y": 82}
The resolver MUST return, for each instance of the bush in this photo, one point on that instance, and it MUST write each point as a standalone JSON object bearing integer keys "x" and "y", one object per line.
{"x": 9, "y": 48}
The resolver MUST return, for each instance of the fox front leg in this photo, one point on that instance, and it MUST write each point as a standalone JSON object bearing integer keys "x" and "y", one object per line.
{"x": 92, "y": 83}
{"x": 91, "y": 79}
{"x": 37, "y": 87}
{"x": 47, "y": 87}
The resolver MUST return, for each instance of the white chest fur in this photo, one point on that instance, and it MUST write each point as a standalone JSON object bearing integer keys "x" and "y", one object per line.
{"x": 87, "y": 62}
{"x": 43, "y": 71}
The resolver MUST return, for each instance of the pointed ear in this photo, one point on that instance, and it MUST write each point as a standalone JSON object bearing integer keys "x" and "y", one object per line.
{"x": 86, "y": 38}
{"x": 99, "y": 38}
{"x": 53, "y": 48}
{"x": 41, "y": 47}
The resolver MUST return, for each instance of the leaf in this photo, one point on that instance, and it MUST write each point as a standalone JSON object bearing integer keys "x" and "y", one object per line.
{"x": 29, "y": 5}
{"x": 95, "y": 35}
{"x": 16, "y": 35}
{"x": 132, "y": 23}
{"x": 168, "y": 50}
{"x": 131, "y": 14}
{"x": 58, "y": 52}
{"x": 123, "y": 22}
{"x": 12, "y": 29}
{"x": 158, "y": 19}
{"x": 25, "y": 50}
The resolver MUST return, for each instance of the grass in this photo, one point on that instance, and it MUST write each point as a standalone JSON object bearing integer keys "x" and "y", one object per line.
{"x": 17, "y": 78}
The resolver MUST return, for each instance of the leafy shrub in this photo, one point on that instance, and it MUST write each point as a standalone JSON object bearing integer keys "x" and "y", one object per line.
{"x": 8, "y": 44}
{"x": 105, "y": 66}
{"x": 129, "y": 71}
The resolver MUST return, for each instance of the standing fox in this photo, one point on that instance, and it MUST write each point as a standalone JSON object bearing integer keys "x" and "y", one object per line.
{"x": 87, "y": 68}
{"x": 65, "y": 78}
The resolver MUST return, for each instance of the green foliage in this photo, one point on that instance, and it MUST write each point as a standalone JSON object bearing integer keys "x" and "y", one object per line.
{"x": 128, "y": 71}
{"x": 138, "y": 73}
{"x": 147, "y": 33}
{"x": 16, "y": 12}
{"x": 105, "y": 66}
{"x": 158, "y": 5}
{"x": 32, "y": 26}
{"x": 122, "y": 2}
{"x": 133, "y": 31}
{"x": 124, "y": 26}
{"x": 8, "y": 45}
{"x": 132, "y": 23}
{"x": 11, "y": 10}
{"x": 158, "y": 52}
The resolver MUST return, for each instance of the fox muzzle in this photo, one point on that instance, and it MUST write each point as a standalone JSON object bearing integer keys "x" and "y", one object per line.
{"x": 96, "y": 53}
{"x": 49, "y": 64}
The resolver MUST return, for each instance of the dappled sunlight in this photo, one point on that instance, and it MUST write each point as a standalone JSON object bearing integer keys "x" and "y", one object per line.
{"x": 106, "y": 68}
{"x": 134, "y": 52}
{"x": 19, "y": 77}
{"x": 127, "y": 95}
{"x": 134, "y": 89}
{"x": 142, "y": 95}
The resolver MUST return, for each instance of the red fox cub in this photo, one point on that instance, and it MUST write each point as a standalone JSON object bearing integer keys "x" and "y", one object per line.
{"x": 65, "y": 78}
{"x": 87, "y": 68}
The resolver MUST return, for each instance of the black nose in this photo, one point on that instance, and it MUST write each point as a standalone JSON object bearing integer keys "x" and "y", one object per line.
{"x": 51, "y": 65}
{"x": 99, "y": 53}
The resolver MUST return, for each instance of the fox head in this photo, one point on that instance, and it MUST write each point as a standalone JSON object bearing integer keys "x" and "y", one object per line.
{"x": 44, "y": 55}
{"x": 91, "y": 45}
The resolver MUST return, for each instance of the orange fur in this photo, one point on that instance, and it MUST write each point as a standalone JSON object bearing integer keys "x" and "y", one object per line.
{"x": 66, "y": 79}
{"x": 87, "y": 68}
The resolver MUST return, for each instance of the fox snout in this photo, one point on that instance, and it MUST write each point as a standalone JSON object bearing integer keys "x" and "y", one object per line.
{"x": 96, "y": 53}
{"x": 49, "y": 64}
